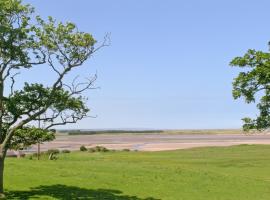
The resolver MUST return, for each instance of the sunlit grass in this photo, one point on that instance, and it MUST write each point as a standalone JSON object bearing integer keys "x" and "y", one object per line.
{"x": 216, "y": 173}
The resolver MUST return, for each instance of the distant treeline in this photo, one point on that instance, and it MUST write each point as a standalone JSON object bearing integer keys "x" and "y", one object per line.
{"x": 93, "y": 132}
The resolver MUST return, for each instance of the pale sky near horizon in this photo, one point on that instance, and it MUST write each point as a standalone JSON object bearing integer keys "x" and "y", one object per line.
{"x": 168, "y": 63}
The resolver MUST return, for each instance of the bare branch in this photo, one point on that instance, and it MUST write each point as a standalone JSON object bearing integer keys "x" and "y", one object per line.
{"x": 75, "y": 88}
{"x": 8, "y": 67}
{"x": 106, "y": 42}
{"x": 52, "y": 65}
{"x": 13, "y": 82}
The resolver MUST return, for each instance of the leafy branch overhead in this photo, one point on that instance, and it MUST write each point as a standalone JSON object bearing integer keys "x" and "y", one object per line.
{"x": 252, "y": 83}
{"x": 28, "y": 41}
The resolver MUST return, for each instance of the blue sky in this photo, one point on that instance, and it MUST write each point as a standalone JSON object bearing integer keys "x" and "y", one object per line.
{"x": 168, "y": 63}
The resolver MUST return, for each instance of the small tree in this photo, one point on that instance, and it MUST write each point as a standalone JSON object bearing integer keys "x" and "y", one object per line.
{"x": 253, "y": 83}
{"x": 27, "y": 41}
{"x": 28, "y": 136}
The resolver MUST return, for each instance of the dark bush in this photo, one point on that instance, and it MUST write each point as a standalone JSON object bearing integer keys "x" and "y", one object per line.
{"x": 126, "y": 150}
{"x": 83, "y": 148}
{"x": 101, "y": 149}
{"x": 65, "y": 151}
{"x": 53, "y": 151}
{"x": 52, "y": 156}
{"x": 98, "y": 149}
{"x": 92, "y": 150}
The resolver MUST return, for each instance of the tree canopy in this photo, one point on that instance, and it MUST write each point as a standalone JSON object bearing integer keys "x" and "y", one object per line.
{"x": 27, "y": 136}
{"x": 27, "y": 41}
{"x": 253, "y": 84}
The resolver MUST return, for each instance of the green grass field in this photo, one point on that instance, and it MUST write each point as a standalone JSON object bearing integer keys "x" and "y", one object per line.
{"x": 223, "y": 173}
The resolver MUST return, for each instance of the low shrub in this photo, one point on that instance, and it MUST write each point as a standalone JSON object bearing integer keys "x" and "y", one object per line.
{"x": 101, "y": 149}
{"x": 98, "y": 149}
{"x": 34, "y": 154}
{"x": 92, "y": 150}
{"x": 53, "y": 151}
{"x": 83, "y": 148}
{"x": 126, "y": 150}
{"x": 52, "y": 156}
{"x": 65, "y": 151}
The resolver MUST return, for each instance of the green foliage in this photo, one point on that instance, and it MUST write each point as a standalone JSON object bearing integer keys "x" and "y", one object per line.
{"x": 252, "y": 83}
{"x": 126, "y": 150}
{"x": 98, "y": 149}
{"x": 83, "y": 148}
{"x": 91, "y": 150}
{"x": 28, "y": 136}
{"x": 35, "y": 96}
{"x": 16, "y": 36}
{"x": 50, "y": 154}
{"x": 75, "y": 45}
{"x": 53, "y": 154}
{"x": 27, "y": 41}
{"x": 65, "y": 151}
{"x": 53, "y": 151}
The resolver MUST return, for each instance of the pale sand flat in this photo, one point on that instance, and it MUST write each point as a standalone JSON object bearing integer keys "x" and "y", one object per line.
{"x": 152, "y": 142}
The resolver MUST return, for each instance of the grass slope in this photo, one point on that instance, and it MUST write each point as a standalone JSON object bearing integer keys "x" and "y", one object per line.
{"x": 223, "y": 173}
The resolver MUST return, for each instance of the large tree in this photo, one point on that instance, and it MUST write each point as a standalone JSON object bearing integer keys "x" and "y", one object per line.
{"x": 26, "y": 42}
{"x": 253, "y": 84}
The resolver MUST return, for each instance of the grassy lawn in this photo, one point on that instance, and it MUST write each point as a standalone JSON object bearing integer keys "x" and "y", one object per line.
{"x": 223, "y": 173}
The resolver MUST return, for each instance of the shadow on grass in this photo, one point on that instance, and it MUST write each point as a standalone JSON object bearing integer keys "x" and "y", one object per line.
{"x": 63, "y": 192}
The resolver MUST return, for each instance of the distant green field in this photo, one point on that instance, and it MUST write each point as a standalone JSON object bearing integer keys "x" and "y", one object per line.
{"x": 217, "y": 173}
{"x": 187, "y": 131}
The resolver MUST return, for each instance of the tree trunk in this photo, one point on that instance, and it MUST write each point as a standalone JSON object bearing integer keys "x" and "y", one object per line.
{"x": 2, "y": 159}
{"x": 38, "y": 152}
